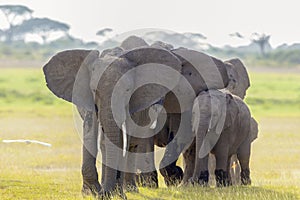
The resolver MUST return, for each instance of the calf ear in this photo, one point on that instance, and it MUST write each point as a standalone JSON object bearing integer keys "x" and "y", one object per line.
{"x": 61, "y": 72}
{"x": 213, "y": 108}
{"x": 218, "y": 112}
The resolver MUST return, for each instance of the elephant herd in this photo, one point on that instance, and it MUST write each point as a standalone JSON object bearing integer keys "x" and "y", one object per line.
{"x": 138, "y": 96}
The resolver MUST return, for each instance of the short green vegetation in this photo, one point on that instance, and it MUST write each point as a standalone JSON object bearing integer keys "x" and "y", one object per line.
{"x": 28, "y": 110}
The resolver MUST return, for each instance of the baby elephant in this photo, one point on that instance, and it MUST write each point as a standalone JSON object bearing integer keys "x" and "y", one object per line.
{"x": 223, "y": 126}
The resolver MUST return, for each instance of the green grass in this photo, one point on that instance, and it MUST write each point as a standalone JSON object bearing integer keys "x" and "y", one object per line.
{"x": 23, "y": 91}
{"x": 273, "y": 94}
{"x": 30, "y": 171}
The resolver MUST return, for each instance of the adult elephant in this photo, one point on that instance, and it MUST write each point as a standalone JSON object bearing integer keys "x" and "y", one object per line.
{"x": 237, "y": 83}
{"x": 105, "y": 88}
{"x": 199, "y": 72}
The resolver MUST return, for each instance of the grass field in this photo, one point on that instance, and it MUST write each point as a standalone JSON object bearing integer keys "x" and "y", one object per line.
{"x": 30, "y": 171}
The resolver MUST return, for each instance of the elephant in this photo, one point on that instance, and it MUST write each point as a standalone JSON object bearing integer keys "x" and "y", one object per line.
{"x": 223, "y": 126}
{"x": 238, "y": 82}
{"x": 90, "y": 82}
{"x": 201, "y": 72}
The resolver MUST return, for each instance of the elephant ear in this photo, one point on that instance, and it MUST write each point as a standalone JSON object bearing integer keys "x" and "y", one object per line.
{"x": 213, "y": 102}
{"x": 61, "y": 71}
{"x": 218, "y": 112}
{"x": 201, "y": 72}
{"x": 197, "y": 65}
{"x": 253, "y": 129}
{"x": 240, "y": 78}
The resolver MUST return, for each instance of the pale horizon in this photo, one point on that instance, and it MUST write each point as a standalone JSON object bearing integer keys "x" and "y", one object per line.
{"x": 214, "y": 19}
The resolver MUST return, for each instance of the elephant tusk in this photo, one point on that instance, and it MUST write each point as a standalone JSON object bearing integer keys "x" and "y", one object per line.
{"x": 124, "y": 138}
{"x": 155, "y": 109}
{"x": 153, "y": 125}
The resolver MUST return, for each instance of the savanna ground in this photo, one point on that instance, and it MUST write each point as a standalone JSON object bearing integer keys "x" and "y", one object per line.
{"x": 31, "y": 171}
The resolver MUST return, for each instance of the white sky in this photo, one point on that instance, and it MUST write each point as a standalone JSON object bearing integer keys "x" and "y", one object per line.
{"x": 213, "y": 18}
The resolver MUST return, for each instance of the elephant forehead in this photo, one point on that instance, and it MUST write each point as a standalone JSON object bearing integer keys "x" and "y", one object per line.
{"x": 112, "y": 70}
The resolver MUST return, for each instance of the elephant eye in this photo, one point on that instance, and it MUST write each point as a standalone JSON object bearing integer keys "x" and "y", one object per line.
{"x": 190, "y": 74}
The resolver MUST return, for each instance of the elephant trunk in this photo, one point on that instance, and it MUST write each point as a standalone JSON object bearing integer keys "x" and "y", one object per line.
{"x": 113, "y": 145}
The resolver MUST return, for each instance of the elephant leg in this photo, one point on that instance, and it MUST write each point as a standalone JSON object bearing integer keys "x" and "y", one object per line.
{"x": 201, "y": 173}
{"x": 113, "y": 177}
{"x": 180, "y": 138}
{"x": 129, "y": 176}
{"x": 148, "y": 174}
{"x": 130, "y": 182}
{"x": 148, "y": 179}
{"x": 221, "y": 173}
{"x": 91, "y": 184}
{"x": 172, "y": 174}
{"x": 244, "y": 157}
{"x": 234, "y": 170}
{"x": 189, "y": 162}
{"x": 103, "y": 155}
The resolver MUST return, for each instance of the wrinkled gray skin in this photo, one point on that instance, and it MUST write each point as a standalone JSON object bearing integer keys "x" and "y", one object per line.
{"x": 111, "y": 178}
{"x": 238, "y": 83}
{"x": 208, "y": 67}
{"x": 222, "y": 117}
{"x": 234, "y": 76}
{"x": 94, "y": 96}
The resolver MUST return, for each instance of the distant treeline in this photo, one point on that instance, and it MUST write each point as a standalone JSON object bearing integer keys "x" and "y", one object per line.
{"x": 22, "y": 24}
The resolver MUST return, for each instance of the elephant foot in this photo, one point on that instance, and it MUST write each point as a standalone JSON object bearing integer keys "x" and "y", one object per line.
{"x": 131, "y": 188}
{"x": 190, "y": 182}
{"x": 245, "y": 177}
{"x": 172, "y": 175}
{"x": 106, "y": 195}
{"x": 149, "y": 179}
{"x": 90, "y": 189}
{"x": 203, "y": 178}
{"x": 222, "y": 179}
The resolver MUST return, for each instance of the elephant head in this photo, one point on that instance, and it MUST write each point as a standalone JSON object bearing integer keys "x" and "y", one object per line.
{"x": 115, "y": 85}
{"x": 239, "y": 80}
{"x": 200, "y": 72}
